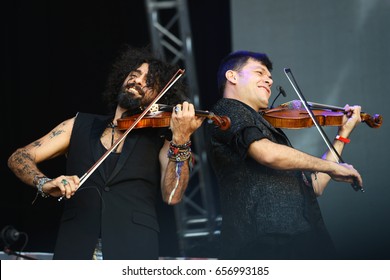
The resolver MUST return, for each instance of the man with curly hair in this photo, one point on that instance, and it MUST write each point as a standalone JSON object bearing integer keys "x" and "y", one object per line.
{"x": 113, "y": 214}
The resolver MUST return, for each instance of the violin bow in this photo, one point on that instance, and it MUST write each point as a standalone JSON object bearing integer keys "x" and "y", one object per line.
{"x": 338, "y": 158}
{"x": 171, "y": 82}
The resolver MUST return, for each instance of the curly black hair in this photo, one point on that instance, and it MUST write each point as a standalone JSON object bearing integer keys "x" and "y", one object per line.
{"x": 159, "y": 74}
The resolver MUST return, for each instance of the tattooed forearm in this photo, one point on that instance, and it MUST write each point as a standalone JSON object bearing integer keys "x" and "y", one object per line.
{"x": 24, "y": 161}
{"x": 22, "y": 164}
{"x": 21, "y": 156}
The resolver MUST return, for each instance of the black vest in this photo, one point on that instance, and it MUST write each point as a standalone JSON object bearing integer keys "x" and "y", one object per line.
{"x": 120, "y": 208}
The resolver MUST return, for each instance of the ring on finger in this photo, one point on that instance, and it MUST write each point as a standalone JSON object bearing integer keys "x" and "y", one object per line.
{"x": 177, "y": 109}
{"x": 64, "y": 182}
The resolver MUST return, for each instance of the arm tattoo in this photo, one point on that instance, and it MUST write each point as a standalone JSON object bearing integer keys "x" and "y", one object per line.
{"x": 24, "y": 163}
{"x": 55, "y": 133}
{"x": 36, "y": 144}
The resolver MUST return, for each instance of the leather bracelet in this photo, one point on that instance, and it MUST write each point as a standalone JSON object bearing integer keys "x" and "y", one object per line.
{"x": 342, "y": 139}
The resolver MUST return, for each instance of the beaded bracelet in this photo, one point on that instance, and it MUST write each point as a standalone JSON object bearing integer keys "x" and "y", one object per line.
{"x": 39, "y": 182}
{"x": 183, "y": 146}
{"x": 179, "y": 153}
{"x": 180, "y": 156}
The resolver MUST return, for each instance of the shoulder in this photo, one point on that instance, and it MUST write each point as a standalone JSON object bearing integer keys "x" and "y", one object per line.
{"x": 227, "y": 103}
{"x": 87, "y": 117}
{"x": 231, "y": 106}
{"x": 239, "y": 113}
{"x": 83, "y": 121}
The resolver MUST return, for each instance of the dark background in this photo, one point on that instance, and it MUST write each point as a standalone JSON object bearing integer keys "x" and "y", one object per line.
{"x": 56, "y": 59}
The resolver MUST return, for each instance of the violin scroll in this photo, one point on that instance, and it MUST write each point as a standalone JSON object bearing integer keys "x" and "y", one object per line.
{"x": 223, "y": 122}
{"x": 372, "y": 121}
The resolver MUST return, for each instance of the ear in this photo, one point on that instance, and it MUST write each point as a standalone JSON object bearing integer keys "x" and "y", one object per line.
{"x": 231, "y": 76}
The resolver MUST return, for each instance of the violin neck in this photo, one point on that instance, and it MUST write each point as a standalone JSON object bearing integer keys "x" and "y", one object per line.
{"x": 169, "y": 108}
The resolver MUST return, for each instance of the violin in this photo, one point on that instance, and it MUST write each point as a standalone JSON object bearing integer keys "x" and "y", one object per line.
{"x": 160, "y": 116}
{"x": 292, "y": 115}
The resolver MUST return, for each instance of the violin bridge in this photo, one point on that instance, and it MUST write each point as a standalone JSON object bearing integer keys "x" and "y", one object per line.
{"x": 154, "y": 108}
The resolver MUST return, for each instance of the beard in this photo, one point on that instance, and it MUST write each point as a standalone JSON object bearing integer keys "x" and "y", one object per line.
{"x": 126, "y": 101}
{"x": 134, "y": 102}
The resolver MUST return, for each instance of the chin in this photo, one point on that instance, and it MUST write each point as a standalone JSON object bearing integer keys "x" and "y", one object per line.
{"x": 127, "y": 102}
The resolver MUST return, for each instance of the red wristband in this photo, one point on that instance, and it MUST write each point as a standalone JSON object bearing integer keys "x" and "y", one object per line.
{"x": 342, "y": 139}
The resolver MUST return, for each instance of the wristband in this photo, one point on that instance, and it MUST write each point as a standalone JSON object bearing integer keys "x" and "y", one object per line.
{"x": 342, "y": 139}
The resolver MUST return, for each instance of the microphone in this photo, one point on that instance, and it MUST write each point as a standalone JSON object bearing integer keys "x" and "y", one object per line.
{"x": 9, "y": 235}
{"x": 281, "y": 92}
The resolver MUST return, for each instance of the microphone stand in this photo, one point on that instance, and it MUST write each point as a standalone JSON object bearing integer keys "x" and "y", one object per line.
{"x": 281, "y": 91}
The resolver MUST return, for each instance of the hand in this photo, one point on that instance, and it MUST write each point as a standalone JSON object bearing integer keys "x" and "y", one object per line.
{"x": 184, "y": 122}
{"x": 346, "y": 173}
{"x": 62, "y": 186}
{"x": 351, "y": 120}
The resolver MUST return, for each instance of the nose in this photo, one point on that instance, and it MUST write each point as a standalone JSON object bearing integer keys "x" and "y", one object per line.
{"x": 138, "y": 80}
{"x": 135, "y": 80}
{"x": 269, "y": 81}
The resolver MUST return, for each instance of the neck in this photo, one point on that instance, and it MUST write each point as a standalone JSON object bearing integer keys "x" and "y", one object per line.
{"x": 118, "y": 114}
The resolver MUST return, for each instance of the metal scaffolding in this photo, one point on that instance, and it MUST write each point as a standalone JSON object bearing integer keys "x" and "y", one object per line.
{"x": 196, "y": 217}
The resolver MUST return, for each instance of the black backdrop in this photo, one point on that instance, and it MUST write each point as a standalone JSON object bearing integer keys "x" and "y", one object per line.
{"x": 56, "y": 59}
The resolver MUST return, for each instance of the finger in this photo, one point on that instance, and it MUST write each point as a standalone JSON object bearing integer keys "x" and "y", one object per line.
{"x": 185, "y": 103}
{"x": 64, "y": 182}
{"x": 177, "y": 109}
{"x": 70, "y": 185}
{"x": 359, "y": 180}
{"x": 61, "y": 187}
{"x": 188, "y": 108}
{"x": 67, "y": 188}
{"x": 348, "y": 110}
{"x": 191, "y": 107}
{"x": 356, "y": 111}
{"x": 76, "y": 181}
